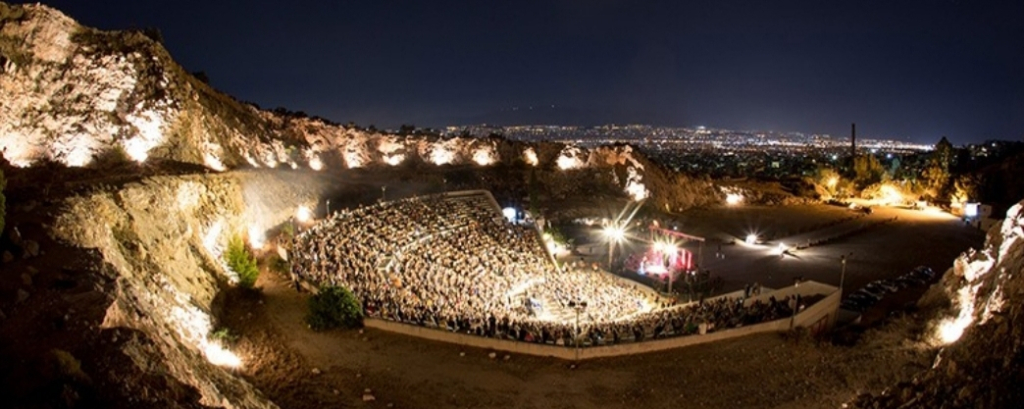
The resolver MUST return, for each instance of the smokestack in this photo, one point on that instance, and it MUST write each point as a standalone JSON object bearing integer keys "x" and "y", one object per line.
{"x": 853, "y": 140}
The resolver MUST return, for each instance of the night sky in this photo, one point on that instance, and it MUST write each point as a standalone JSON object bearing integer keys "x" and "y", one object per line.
{"x": 911, "y": 70}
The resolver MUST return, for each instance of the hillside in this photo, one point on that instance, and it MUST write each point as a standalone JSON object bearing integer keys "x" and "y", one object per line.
{"x": 128, "y": 176}
{"x": 83, "y": 97}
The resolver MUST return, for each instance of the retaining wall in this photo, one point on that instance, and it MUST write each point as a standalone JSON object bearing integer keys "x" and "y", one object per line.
{"x": 825, "y": 308}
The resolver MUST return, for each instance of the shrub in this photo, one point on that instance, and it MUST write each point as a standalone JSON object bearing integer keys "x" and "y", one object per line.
{"x": 242, "y": 262}
{"x": 224, "y": 336}
{"x": 113, "y": 157}
{"x": 279, "y": 265}
{"x": 334, "y": 307}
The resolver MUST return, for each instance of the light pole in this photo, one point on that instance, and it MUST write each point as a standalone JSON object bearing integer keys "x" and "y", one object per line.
{"x": 579, "y": 306}
{"x": 328, "y": 208}
{"x": 842, "y": 275}
{"x": 613, "y": 233}
{"x": 383, "y": 193}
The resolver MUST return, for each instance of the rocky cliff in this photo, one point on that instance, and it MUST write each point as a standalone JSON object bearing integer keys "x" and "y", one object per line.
{"x": 83, "y": 97}
{"x": 976, "y": 331}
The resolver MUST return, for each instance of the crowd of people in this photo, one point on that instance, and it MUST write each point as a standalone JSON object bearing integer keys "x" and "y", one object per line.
{"x": 453, "y": 262}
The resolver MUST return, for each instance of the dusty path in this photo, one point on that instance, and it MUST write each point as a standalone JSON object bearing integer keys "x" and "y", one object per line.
{"x": 763, "y": 371}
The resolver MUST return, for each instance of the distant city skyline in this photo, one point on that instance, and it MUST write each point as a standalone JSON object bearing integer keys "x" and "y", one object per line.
{"x": 914, "y": 70}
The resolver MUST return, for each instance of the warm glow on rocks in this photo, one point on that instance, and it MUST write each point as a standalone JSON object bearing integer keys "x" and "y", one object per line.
{"x": 442, "y": 155}
{"x": 569, "y": 158}
{"x": 530, "y": 156}
{"x": 484, "y": 156}
{"x": 394, "y": 160}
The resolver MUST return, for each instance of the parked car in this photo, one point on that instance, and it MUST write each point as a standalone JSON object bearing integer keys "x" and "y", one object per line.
{"x": 849, "y": 304}
{"x": 911, "y": 280}
{"x": 876, "y": 295}
{"x": 863, "y": 300}
{"x": 926, "y": 271}
{"x": 887, "y": 285}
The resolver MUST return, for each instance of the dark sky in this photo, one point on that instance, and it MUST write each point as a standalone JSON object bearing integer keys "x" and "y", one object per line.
{"x": 913, "y": 70}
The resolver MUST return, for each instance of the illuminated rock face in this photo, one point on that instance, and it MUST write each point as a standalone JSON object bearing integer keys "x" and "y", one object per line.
{"x": 976, "y": 335}
{"x": 169, "y": 268}
{"x": 976, "y": 284}
{"x": 77, "y": 94}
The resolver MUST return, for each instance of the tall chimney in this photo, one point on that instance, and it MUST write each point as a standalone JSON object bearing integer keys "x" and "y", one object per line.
{"x": 853, "y": 140}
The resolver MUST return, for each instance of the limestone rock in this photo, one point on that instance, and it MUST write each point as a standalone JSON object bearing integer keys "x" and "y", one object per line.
{"x": 31, "y": 248}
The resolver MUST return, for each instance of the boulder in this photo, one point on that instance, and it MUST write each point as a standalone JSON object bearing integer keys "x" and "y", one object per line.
{"x": 31, "y": 248}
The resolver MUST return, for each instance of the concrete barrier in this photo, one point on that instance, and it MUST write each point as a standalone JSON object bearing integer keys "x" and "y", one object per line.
{"x": 823, "y": 309}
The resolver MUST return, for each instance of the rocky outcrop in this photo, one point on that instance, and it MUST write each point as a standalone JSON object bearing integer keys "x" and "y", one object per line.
{"x": 161, "y": 241}
{"x": 82, "y": 97}
{"x": 976, "y": 331}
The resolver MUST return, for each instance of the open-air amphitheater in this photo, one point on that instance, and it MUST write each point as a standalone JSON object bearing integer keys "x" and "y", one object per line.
{"x": 451, "y": 267}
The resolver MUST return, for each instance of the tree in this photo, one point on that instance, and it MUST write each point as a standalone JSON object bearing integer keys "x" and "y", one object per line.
{"x": 334, "y": 307}
{"x": 867, "y": 170}
{"x": 965, "y": 188}
{"x": 827, "y": 182}
{"x": 242, "y": 262}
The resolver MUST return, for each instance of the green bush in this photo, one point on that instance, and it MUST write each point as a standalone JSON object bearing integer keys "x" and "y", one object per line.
{"x": 279, "y": 265}
{"x": 224, "y": 336}
{"x": 242, "y": 262}
{"x": 334, "y": 307}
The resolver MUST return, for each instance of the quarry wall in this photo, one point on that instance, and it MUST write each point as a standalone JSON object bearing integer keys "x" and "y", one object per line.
{"x": 161, "y": 240}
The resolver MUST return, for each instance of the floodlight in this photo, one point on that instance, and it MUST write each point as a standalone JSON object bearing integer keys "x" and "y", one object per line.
{"x": 614, "y": 233}
{"x": 303, "y": 214}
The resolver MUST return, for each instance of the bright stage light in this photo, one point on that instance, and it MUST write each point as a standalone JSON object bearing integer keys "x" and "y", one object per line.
{"x": 509, "y": 214}
{"x": 832, "y": 181}
{"x": 659, "y": 246}
{"x": 303, "y": 214}
{"x": 751, "y": 238}
{"x": 614, "y": 233}
{"x": 971, "y": 210}
{"x": 733, "y": 199}
{"x": 781, "y": 249}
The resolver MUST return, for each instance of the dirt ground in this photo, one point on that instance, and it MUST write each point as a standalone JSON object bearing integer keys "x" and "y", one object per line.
{"x": 873, "y": 249}
{"x": 298, "y": 368}
{"x": 282, "y": 357}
